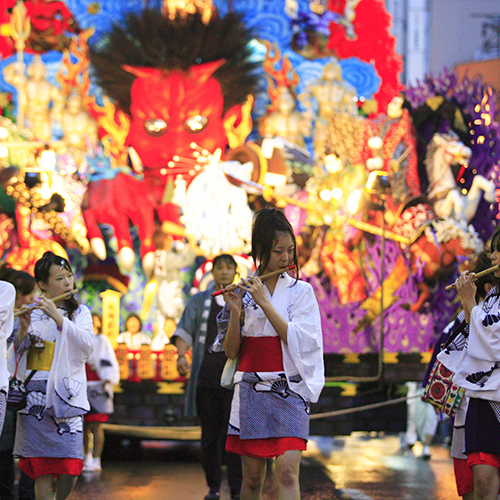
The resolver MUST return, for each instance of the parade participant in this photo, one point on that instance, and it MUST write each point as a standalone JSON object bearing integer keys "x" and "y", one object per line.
{"x": 7, "y": 299}
{"x": 102, "y": 372}
{"x": 454, "y": 347}
{"x": 275, "y": 329}
{"x": 133, "y": 336}
{"x": 25, "y": 287}
{"x": 478, "y": 373}
{"x": 56, "y": 345}
{"x": 198, "y": 328}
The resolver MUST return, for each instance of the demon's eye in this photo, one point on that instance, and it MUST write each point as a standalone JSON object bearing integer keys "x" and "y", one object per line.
{"x": 195, "y": 124}
{"x": 155, "y": 127}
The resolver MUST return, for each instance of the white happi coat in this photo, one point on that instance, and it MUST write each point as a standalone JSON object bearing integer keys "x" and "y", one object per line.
{"x": 7, "y": 301}
{"x": 477, "y": 366}
{"x": 66, "y": 380}
{"x": 103, "y": 360}
{"x": 303, "y": 354}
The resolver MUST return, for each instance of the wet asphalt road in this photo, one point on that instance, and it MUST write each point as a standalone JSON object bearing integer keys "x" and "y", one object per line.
{"x": 358, "y": 467}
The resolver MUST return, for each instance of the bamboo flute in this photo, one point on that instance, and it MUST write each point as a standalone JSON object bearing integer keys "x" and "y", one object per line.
{"x": 478, "y": 275}
{"x": 263, "y": 277}
{"x": 64, "y": 296}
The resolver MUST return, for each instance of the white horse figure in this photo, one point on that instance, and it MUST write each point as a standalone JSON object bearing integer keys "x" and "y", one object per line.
{"x": 444, "y": 194}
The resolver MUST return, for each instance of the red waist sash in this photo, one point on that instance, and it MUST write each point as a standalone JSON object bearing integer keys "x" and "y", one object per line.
{"x": 260, "y": 354}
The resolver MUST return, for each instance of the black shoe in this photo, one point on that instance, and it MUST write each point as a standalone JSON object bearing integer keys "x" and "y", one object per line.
{"x": 235, "y": 497}
{"x": 213, "y": 496}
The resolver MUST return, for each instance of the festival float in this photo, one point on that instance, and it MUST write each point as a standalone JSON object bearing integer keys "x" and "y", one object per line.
{"x": 140, "y": 150}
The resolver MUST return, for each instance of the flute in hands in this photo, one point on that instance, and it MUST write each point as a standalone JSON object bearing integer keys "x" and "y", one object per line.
{"x": 29, "y": 308}
{"x": 477, "y": 275}
{"x": 263, "y": 277}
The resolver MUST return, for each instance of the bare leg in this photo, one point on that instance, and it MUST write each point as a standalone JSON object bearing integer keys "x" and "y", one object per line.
{"x": 87, "y": 432}
{"x": 287, "y": 475}
{"x": 254, "y": 474}
{"x": 64, "y": 485}
{"x": 98, "y": 431}
{"x": 486, "y": 482}
{"x": 44, "y": 487}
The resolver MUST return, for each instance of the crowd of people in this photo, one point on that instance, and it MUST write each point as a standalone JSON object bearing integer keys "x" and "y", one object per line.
{"x": 65, "y": 369}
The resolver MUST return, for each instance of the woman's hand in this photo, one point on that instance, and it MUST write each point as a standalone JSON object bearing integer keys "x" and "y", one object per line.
{"x": 466, "y": 288}
{"x": 50, "y": 309}
{"x": 257, "y": 289}
{"x": 108, "y": 388}
{"x": 25, "y": 319}
{"x": 465, "y": 285}
{"x": 233, "y": 300}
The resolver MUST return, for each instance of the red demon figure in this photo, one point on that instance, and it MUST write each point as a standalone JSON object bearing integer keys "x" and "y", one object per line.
{"x": 184, "y": 84}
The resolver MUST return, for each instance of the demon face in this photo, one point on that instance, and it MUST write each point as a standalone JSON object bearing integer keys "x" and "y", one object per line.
{"x": 171, "y": 112}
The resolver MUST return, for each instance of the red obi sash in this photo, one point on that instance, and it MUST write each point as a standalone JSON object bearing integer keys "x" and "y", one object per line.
{"x": 91, "y": 373}
{"x": 260, "y": 354}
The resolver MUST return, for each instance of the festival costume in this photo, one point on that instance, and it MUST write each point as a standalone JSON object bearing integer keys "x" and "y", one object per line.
{"x": 49, "y": 437}
{"x": 102, "y": 366}
{"x": 476, "y": 370}
{"x": 449, "y": 356}
{"x": 275, "y": 382}
{"x": 7, "y": 300}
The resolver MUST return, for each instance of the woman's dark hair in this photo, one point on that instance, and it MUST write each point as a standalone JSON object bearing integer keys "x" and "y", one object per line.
{"x": 267, "y": 225}
{"x": 134, "y": 315}
{"x": 225, "y": 257}
{"x": 495, "y": 246}
{"x": 23, "y": 282}
{"x": 495, "y": 240}
{"x": 481, "y": 262}
{"x": 42, "y": 271}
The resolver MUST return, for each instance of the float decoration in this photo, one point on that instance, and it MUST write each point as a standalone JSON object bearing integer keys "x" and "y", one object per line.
{"x": 373, "y": 42}
{"x": 141, "y": 74}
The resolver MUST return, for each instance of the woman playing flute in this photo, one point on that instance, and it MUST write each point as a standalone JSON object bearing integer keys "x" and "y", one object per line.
{"x": 56, "y": 345}
{"x": 477, "y": 371}
{"x": 274, "y": 327}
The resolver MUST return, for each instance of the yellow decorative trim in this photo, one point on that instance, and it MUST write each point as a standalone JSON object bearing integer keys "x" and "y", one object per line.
{"x": 263, "y": 163}
{"x": 391, "y": 358}
{"x": 425, "y": 357}
{"x": 352, "y": 358}
{"x": 349, "y": 390}
{"x": 170, "y": 388}
{"x": 236, "y": 135}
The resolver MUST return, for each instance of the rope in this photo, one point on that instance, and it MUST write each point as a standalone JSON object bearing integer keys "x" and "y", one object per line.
{"x": 336, "y": 413}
